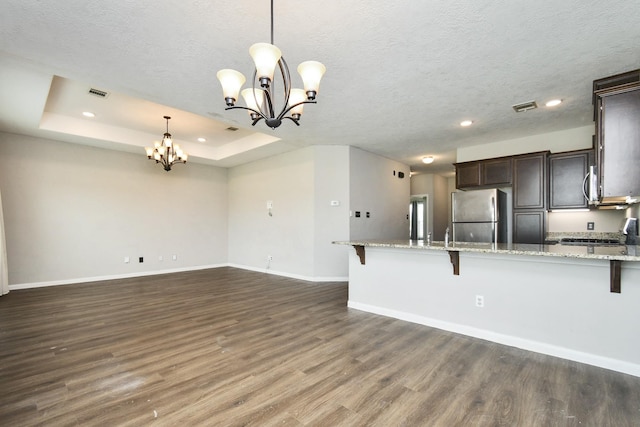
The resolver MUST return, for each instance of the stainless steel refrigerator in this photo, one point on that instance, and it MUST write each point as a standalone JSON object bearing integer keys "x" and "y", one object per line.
{"x": 479, "y": 216}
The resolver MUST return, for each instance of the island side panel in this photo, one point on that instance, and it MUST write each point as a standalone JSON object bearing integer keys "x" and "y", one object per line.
{"x": 552, "y": 305}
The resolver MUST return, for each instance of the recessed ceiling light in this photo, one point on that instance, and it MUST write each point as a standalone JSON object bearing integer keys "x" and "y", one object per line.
{"x": 553, "y": 102}
{"x": 428, "y": 159}
{"x": 466, "y": 123}
{"x": 88, "y": 114}
{"x": 202, "y": 140}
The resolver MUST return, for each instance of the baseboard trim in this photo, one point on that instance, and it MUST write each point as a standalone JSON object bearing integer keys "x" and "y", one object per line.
{"x": 290, "y": 275}
{"x": 535, "y": 346}
{"x": 168, "y": 271}
{"x": 109, "y": 277}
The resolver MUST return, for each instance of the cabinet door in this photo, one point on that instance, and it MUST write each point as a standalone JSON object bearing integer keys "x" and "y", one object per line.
{"x": 529, "y": 181}
{"x": 467, "y": 175}
{"x": 567, "y": 172}
{"x": 619, "y": 139}
{"x": 528, "y": 226}
{"x": 496, "y": 172}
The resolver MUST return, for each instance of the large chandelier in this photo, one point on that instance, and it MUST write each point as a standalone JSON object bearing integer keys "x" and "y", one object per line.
{"x": 166, "y": 152}
{"x": 259, "y": 99}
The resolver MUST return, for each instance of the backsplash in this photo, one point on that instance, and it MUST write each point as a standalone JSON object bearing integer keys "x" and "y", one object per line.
{"x": 604, "y": 221}
{"x": 607, "y": 224}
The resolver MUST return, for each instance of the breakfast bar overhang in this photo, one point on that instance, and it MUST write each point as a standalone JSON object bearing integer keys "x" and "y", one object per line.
{"x": 553, "y": 299}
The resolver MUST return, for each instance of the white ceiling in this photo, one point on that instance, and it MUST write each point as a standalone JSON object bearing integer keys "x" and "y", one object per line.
{"x": 401, "y": 75}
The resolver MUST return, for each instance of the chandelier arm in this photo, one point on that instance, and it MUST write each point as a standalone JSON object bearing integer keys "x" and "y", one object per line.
{"x": 293, "y": 120}
{"x": 236, "y": 107}
{"x": 259, "y": 113}
{"x": 281, "y": 116}
{"x": 286, "y": 78}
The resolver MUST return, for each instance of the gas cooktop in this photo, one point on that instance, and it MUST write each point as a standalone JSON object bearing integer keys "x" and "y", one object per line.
{"x": 589, "y": 242}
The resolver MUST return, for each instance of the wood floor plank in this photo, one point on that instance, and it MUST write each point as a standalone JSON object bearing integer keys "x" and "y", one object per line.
{"x": 229, "y": 347}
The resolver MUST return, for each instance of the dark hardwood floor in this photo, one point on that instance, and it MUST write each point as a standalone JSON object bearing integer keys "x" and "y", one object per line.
{"x": 227, "y": 347}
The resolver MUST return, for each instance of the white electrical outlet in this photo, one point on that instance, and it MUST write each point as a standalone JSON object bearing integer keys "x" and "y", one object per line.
{"x": 126, "y": 260}
{"x": 479, "y": 301}
{"x": 269, "y": 258}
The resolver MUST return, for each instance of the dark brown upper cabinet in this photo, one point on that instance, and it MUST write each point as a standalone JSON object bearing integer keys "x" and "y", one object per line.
{"x": 567, "y": 175}
{"x": 530, "y": 181}
{"x": 467, "y": 175}
{"x": 617, "y": 114}
{"x": 483, "y": 173}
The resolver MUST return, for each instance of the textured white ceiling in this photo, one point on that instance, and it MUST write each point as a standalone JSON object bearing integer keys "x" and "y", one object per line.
{"x": 400, "y": 75}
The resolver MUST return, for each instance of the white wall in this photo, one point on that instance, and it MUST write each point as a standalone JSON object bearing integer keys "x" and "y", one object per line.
{"x": 556, "y": 142}
{"x": 286, "y": 180}
{"x": 331, "y": 176}
{"x": 375, "y": 189}
{"x": 301, "y": 185}
{"x": 73, "y": 212}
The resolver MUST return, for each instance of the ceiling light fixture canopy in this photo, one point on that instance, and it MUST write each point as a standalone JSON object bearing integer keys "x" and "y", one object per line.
{"x": 259, "y": 99}
{"x": 166, "y": 152}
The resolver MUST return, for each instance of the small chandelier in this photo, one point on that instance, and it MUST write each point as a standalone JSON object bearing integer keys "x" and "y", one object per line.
{"x": 166, "y": 152}
{"x": 260, "y": 98}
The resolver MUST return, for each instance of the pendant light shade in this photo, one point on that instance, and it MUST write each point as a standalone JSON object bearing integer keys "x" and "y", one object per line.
{"x": 296, "y": 99}
{"x": 231, "y": 81}
{"x": 311, "y": 73}
{"x": 254, "y": 98}
{"x": 265, "y": 57}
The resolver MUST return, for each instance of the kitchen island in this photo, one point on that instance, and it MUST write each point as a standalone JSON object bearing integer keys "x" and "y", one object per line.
{"x": 576, "y": 302}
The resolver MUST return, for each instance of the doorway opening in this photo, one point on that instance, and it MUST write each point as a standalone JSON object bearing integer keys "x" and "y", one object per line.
{"x": 419, "y": 217}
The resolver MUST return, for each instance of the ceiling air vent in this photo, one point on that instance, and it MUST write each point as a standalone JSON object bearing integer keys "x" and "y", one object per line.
{"x": 98, "y": 92}
{"x": 232, "y": 129}
{"x": 525, "y": 106}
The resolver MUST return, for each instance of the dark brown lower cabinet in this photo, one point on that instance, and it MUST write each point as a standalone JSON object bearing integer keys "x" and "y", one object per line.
{"x": 528, "y": 226}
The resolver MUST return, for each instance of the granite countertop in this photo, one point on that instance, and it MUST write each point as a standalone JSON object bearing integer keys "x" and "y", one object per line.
{"x": 619, "y": 252}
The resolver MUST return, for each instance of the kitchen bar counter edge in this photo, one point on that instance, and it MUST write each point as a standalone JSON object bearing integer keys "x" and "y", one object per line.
{"x": 615, "y": 253}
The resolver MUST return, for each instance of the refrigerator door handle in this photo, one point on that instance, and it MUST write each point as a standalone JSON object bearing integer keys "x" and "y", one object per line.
{"x": 494, "y": 229}
{"x": 494, "y": 232}
{"x": 493, "y": 209}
